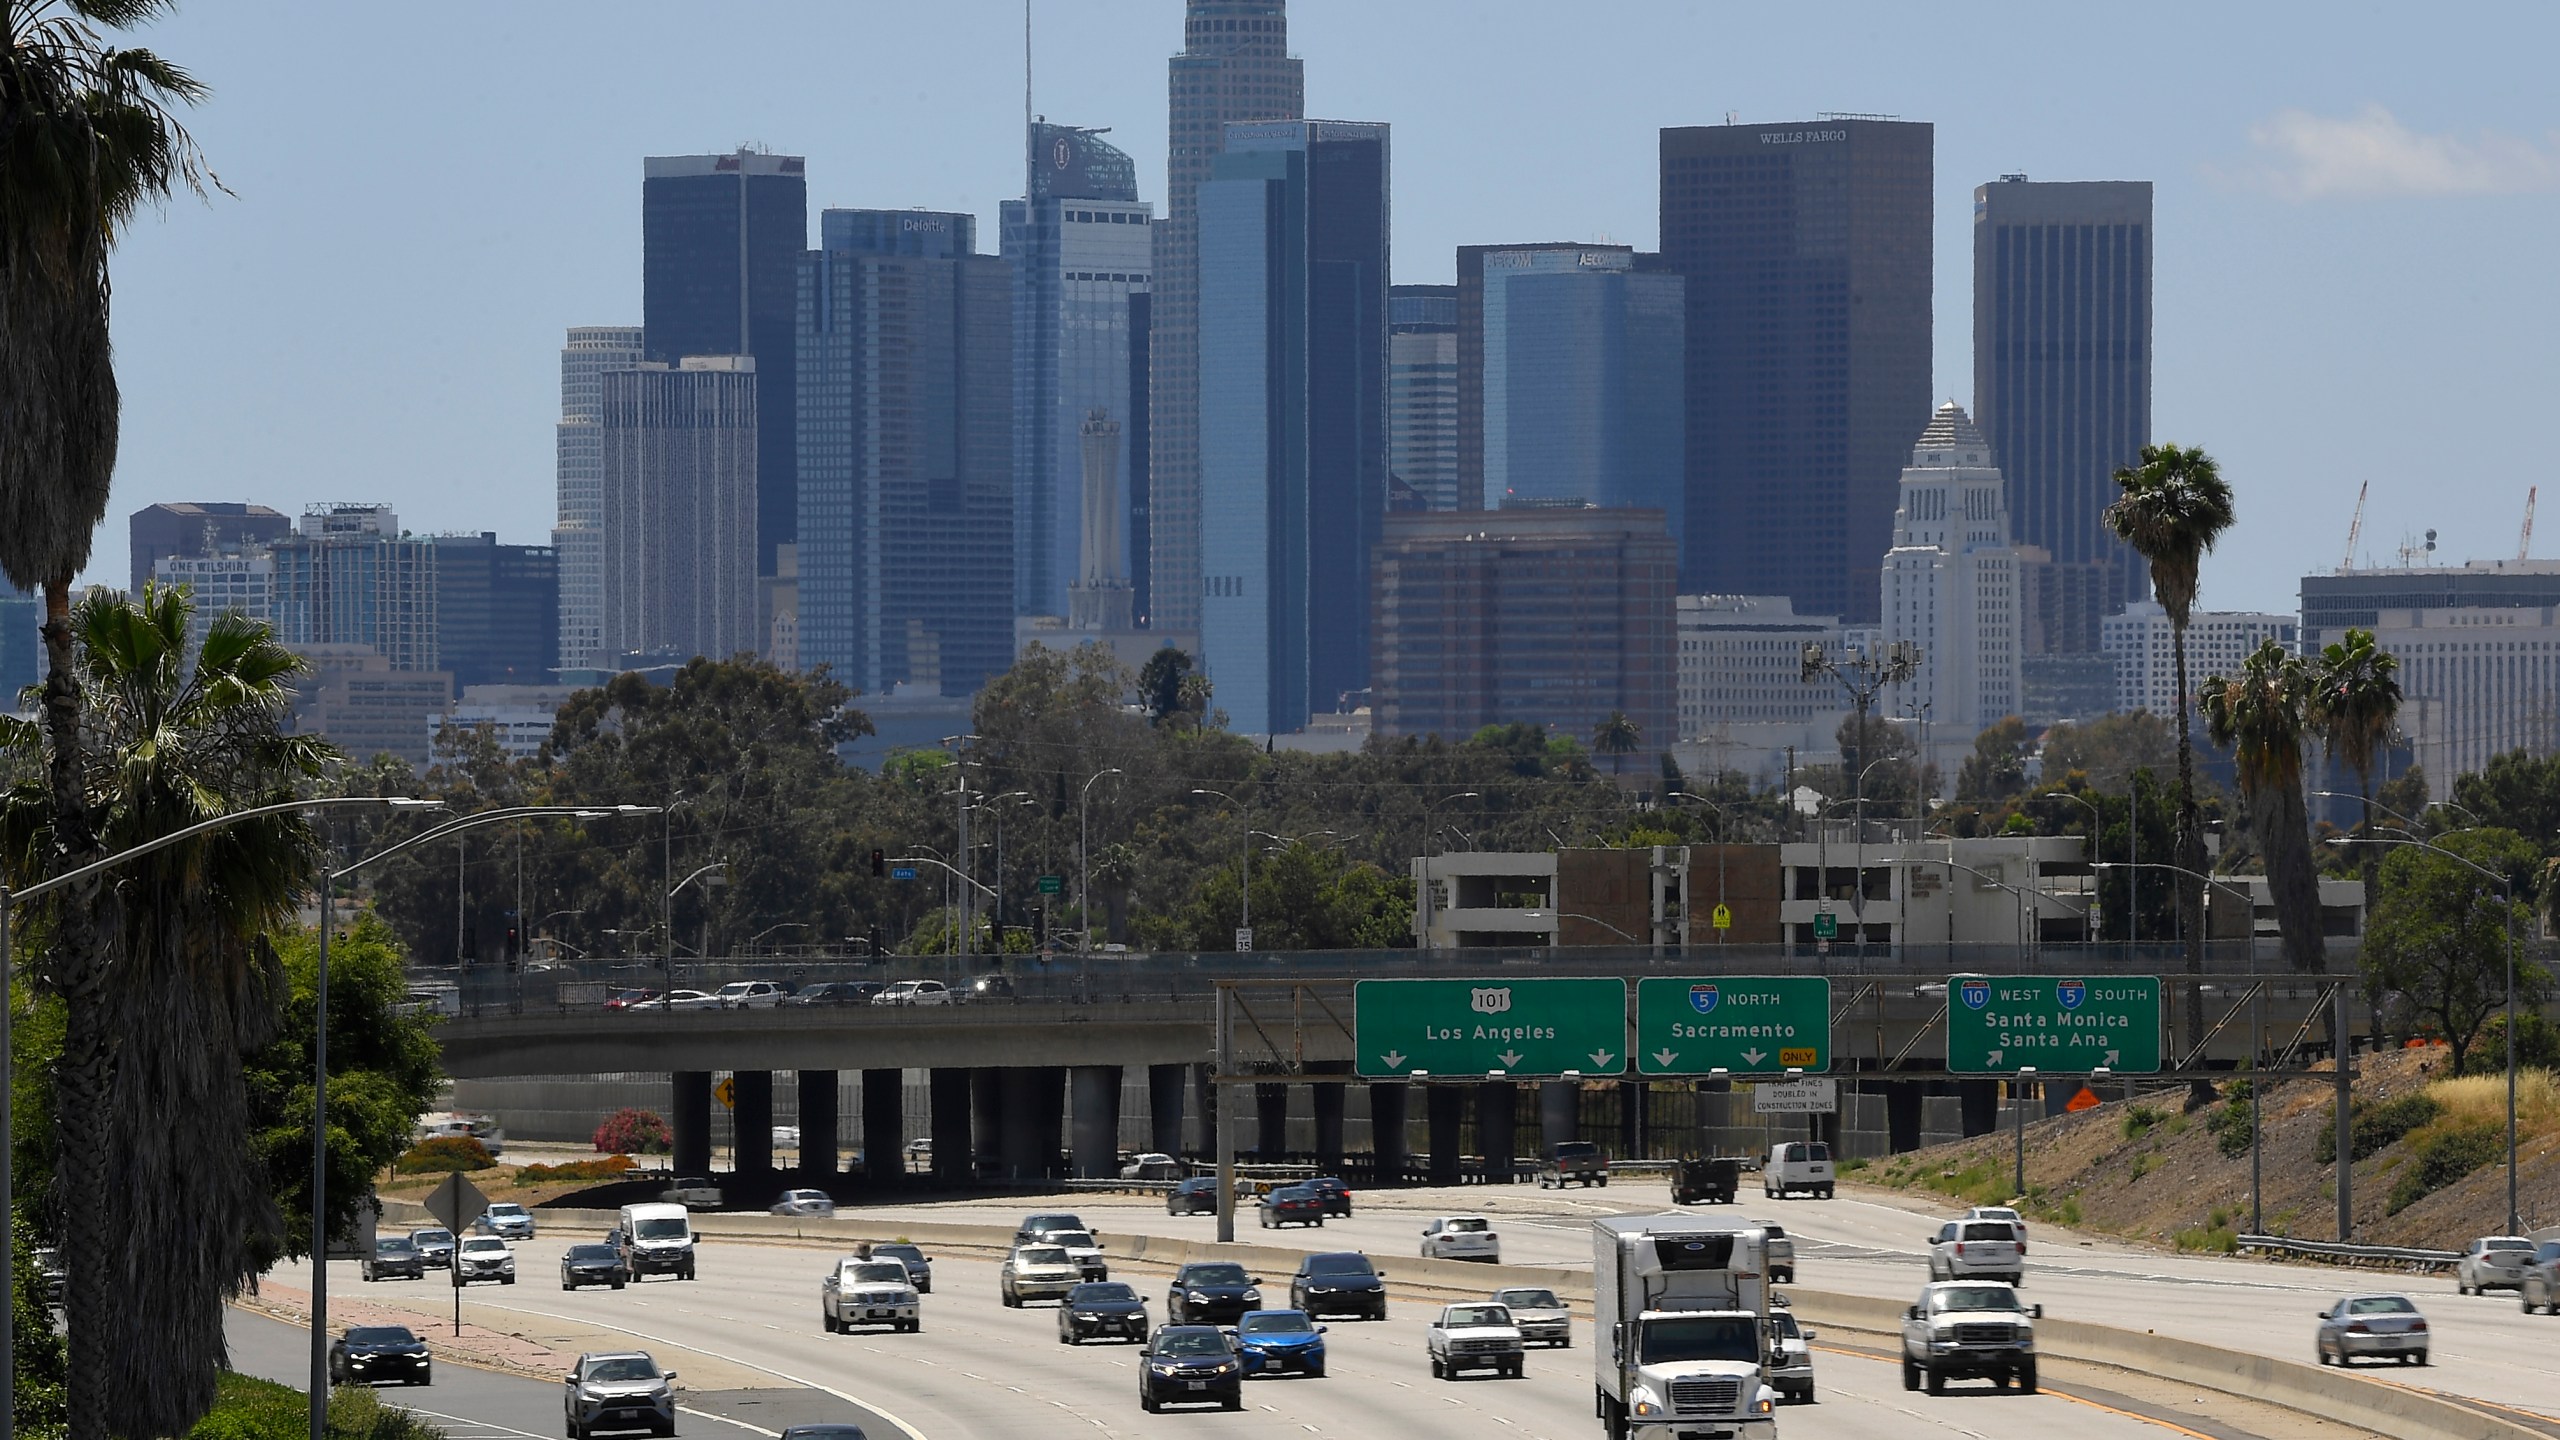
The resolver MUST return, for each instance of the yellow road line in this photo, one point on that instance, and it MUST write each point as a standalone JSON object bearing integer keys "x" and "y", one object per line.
{"x": 2043, "y": 1389}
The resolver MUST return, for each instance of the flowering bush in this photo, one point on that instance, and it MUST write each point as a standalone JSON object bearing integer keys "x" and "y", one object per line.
{"x": 635, "y": 1132}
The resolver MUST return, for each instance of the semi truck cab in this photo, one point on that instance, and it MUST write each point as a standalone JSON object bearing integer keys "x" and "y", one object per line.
{"x": 1684, "y": 1343}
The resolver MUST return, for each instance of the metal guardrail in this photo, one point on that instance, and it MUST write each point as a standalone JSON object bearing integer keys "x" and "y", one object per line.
{"x": 2389, "y": 1256}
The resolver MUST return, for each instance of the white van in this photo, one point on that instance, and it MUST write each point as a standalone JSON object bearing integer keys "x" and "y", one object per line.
{"x": 655, "y": 1239}
{"x": 1797, "y": 1165}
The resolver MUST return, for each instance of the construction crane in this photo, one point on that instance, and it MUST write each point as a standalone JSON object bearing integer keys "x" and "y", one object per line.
{"x": 2524, "y": 542}
{"x": 2355, "y": 528}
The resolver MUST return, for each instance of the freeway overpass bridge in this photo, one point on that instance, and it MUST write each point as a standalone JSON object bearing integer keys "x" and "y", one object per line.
{"x": 1010, "y": 1069}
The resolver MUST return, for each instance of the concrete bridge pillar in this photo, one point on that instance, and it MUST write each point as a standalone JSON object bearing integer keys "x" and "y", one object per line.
{"x": 986, "y": 1107}
{"x": 1033, "y": 1108}
{"x": 1271, "y": 1122}
{"x": 1386, "y": 1130}
{"x": 1979, "y": 1103}
{"x": 691, "y": 1115}
{"x": 1631, "y": 1136}
{"x": 818, "y": 1157}
{"x": 1050, "y": 1090}
{"x": 1445, "y": 1107}
{"x": 1559, "y": 1112}
{"x": 954, "y": 1098}
{"x": 1328, "y": 1098}
{"x": 884, "y": 1126}
{"x": 1165, "y": 1084}
{"x": 1097, "y": 1121}
{"x": 754, "y": 1123}
{"x": 1902, "y": 1112}
{"x": 1497, "y": 1116}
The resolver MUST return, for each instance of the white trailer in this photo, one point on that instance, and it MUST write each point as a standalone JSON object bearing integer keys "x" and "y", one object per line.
{"x": 1683, "y": 1348}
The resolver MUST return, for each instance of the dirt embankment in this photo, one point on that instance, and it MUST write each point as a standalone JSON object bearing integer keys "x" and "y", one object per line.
{"x": 2431, "y": 1171}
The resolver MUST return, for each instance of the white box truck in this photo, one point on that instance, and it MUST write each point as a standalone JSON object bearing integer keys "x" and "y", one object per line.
{"x": 1683, "y": 1315}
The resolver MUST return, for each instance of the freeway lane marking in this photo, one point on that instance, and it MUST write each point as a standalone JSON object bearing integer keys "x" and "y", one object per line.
{"x": 1882, "y": 1358}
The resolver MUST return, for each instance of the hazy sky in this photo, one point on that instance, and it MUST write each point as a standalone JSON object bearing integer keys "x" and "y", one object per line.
{"x": 2357, "y": 207}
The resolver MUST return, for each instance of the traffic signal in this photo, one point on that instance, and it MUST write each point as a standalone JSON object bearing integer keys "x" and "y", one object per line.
{"x": 879, "y": 864}
{"x": 512, "y": 950}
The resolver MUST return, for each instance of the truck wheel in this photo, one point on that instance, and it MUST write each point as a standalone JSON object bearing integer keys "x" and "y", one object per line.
{"x": 1910, "y": 1374}
{"x": 1933, "y": 1382}
{"x": 1438, "y": 1370}
{"x": 2027, "y": 1376}
{"x": 1806, "y": 1395}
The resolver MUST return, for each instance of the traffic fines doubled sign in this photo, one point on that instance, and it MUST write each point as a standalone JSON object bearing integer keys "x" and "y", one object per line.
{"x": 1517, "y": 1027}
{"x": 1739, "y": 1024}
{"x": 2003, "y": 1024}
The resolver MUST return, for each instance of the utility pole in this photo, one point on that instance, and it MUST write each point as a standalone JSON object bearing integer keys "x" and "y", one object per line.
{"x": 1863, "y": 674}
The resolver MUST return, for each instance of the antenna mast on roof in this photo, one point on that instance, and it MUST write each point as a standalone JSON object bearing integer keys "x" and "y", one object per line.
{"x": 2524, "y": 542}
{"x": 2355, "y": 528}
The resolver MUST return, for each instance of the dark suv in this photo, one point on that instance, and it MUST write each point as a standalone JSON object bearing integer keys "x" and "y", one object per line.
{"x": 1036, "y": 1229}
{"x": 1210, "y": 1292}
{"x": 394, "y": 1258}
{"x": 1195, "y": 1196}
{"x": 1190, "y": 1363}
{"x": 1335, "y": 1195}
{"x": 1340, "y": 1283}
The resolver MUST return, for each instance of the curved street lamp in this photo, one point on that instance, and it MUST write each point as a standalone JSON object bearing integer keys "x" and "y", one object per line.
{"x": 1084, "y": 859}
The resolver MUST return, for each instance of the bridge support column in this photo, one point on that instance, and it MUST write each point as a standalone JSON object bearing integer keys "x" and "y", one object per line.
{"x": 1497, "y": 1129}
{"x": 1165, "y": 1086}
{"x": 1902, "y": 1112}
{"x": 1271, "y": 1122}
{"x": 954, "y": 1098}
{"x": 752, "y": 1133}
{"x": 1445, "y": 1107}
{"x": 1631, "y": 1138}
{"x": 884, "y": 1126}
{"x": 692, "y": 1117}
{"x": 1097, "y": 1120}
{"x": 1979, "y": 1103}
{"x": 1386, "y": 1131}
{"x": 986, "y": 1107}
{"x": 1034, "y": 1102}
{"x": 1559, "y": 1112}
{"x": 1050, "y": 1090}
{"x": 1328, "y": 1101}
{"x": 818, "y": 1157}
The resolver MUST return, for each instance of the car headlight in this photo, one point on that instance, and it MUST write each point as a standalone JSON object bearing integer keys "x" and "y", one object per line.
{"x": 1253, "y": 1297}
{"x": 1196, "y": 1297}
{"x": 1642, "y": 1401}
{"x": 1159, "y": 1367}
{"x": 586, "y": 1394}
{"x": 1764, "y": 1405}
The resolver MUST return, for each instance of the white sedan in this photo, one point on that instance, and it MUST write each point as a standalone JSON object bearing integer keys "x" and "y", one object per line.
{"x": 813, "y": 1203}
{"x": 1461, "y": 1237}
{"x": 681, "y": 1000}
{"x": 914, "y": 992}
{"x": 2492, "y": 1262}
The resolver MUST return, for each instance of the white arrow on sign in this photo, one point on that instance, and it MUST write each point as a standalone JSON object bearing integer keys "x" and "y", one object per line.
{"x": 1754, "y": 1055}
{"x": 1510, "y": 1059}
{"x": 2111, "y": 1058}
{"x": 1600, "y": 1059}
{"x": 1664, "y": 1058}
{"x": 1992, "y": 1057}
{"x": 1394, "y": 1059}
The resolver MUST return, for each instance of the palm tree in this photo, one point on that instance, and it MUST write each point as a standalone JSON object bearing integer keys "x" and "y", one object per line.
{"x": 173, "y": 739}
{"x": 2356, "y": 703}
{"x": 1617, "y": 737}
{"x": 2265, "y": 714}
{"x": 2174, "y": 506}
{"x": 87, "y": 135}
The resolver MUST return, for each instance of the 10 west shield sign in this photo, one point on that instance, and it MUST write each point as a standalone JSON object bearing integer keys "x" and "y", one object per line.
{"x": 2001, "y": 1024}
{"x": 1741, "y": 1024}
{"x": 1474, "y": 1027}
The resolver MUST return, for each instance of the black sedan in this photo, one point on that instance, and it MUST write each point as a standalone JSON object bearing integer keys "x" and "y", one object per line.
{"x": 394, "y": 1258}
{"x": 1195, "y": 1196}
{"x": 371, "y": 1354}
{"x": 1190, "y": 1364}
{"x": 835, "y": 992}
{"x": 1335, "y": 1195}
{"x": 1291, "y": 1205}
{"x": 582, "y": 1265}
{"x": 1342, "y": 1282}
{"x": 1102, "y": 1310}
{"x": 1211, "y": 1292}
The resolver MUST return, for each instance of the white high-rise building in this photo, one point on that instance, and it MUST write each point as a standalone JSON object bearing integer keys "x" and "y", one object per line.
{"x": 2475, "y": 683}
{"x": 591, "y": 351}
{"x": 1950, "y": 587}
{"x": 2218, "y": 643}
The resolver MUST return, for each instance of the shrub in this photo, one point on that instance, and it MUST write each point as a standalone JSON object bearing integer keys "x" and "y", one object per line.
{"x": 2375, "y": 1126}
{"x": 2216, "y": 1239}
{"x": 2537, "y": 1046}
{"x": 2484, "y": 1097}
{"x": 2139, "y": 1119}
{"x": 444, "y": 1153}
{"x": 249, "y": 1409}
{"x": 2232, "y": 1132}
{"x": 2143, "y": 1165}
{"x": 635, "y": 1132}
{"x": 611, "y": 1167}
{"x": 2442, "y": 1154}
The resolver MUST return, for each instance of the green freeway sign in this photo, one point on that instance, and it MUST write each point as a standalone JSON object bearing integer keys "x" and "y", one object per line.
{"x": 1745, "y": 1024}
{"x": 1826, "y": 926}
{"x": 1403, "y": 1028}
{"x": 1052, "y": 884}
{"x": 2002, "y": 1024}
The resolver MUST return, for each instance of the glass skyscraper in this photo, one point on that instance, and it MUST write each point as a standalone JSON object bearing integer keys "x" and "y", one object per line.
{"x": 1293, "y": 414}
{"x": 906, "y": 453}
{"x": 720, "y": 237}
{"x": 1422, "y": 397}
{"x": 1081, "y": 248}
{"x": 578, "y": 535}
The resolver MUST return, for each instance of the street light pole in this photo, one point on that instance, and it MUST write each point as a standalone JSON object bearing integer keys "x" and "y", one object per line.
{"x": 1084, "y": 861}
{"x": 1244, "y": 913}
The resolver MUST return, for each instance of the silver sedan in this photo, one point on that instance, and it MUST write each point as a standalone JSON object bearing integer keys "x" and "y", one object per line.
{"x": 2493, "y": 1262}
{"x": 2372, "y": 1326}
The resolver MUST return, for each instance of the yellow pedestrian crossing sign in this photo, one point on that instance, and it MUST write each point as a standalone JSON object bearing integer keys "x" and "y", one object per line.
{"x": 1724, "y": 916}
{"x": 726, "y": 1092}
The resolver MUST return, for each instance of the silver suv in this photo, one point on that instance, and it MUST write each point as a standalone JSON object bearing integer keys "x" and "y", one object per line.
{"x": 617, "y": 1389}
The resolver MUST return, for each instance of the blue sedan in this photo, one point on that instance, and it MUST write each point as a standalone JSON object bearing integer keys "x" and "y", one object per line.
{"x": 1274, "y": 1341}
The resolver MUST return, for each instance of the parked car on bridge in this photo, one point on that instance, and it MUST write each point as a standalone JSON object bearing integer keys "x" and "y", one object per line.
{"x": 914, "y": 992}
{"x": 2375, "y": 1326}
{"x": 2492, "y": 1262}
{"x": 681, "y": 1000}
{"x": 835, "y": 992}
{"x": 750, "y": 995}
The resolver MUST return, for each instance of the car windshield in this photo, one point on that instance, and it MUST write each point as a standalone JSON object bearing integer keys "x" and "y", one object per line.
{"x": 623, "y": 1367}
{"x": 1214, "y": 1275}
{"x": 898, "y": 1252}
{"x": 1339, "y": 1265}
{"x": 823, "y": 1432}
{"x": 666, "y": 1228}
{"x": 1975, "y": 1297}
{"x": 1529, "y": 1299}
{"x": 1293, "y": 1192}
{"x": 1041, "y": 1255}
{"x": 1191, "y": 1342}
{"x": 1113, "y": 1294}
{"x": 1469, "y": 1226}
{"x": 2381, "y": 1305}
{"x": 2507, "y": 1242}
{"x": 1576, "y": 1150}
{"x": 888, "y": 1272}
{"x": 505, "y": 1211}
{"x": 1042, "y": 1224}
{"x": 1202, "y": 1183}
{"x": 1783, "y": 1325}
{"x": 590, "y": 1252}
{"x": 1457, "y": 1315}
{"x": 380, "y": 1335}
{"x": 484, "y": 1244}
{"x": 1273, "y": 1322}
{"x": 1672, "y": 1342}
{"x": 1072, "y": 1239}
{"x": 431, "y": 1237}
{"x": 1989, "y": 1230}
{"x": 392, "y": 1245}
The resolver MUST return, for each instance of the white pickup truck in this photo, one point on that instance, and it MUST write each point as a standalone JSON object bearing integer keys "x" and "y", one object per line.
{"x": 1969, "y": 1329}
{"x": 693, "y": 1192}
{"x": 868, "y": 1292}
{"x": 1476, "y": 1336}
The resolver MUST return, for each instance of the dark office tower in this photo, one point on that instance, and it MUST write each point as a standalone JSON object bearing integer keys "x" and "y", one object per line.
{"x": 906, "y": 453}
{"x": 1139, "y": 437}
{"x": 1080, "y": 251}
{"x": 193, "y": 530}
{"x": 721, "y": 236}
{"x": 1470, "y": 490}
{"x": 1807, "y": 252}
{"x": 678, "y": 511}
{"x": 1234, "y": 65}
{"x": 2062, "y": 377}
{"x": 1422, "y": 398}
{"x": 1293, "y": 414}
{"x": 497, "y": 610}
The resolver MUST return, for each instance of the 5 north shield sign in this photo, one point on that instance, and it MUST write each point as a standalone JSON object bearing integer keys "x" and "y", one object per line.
{"x": 1404, "y": 1028}
{"x": 2002, "y": 1024}
{"x": 1740, "y": 1024}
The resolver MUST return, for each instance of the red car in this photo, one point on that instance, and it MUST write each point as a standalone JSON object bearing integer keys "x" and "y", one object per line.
{"x": 625, "y": 999}
{"x": 1292, "y": 1205}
